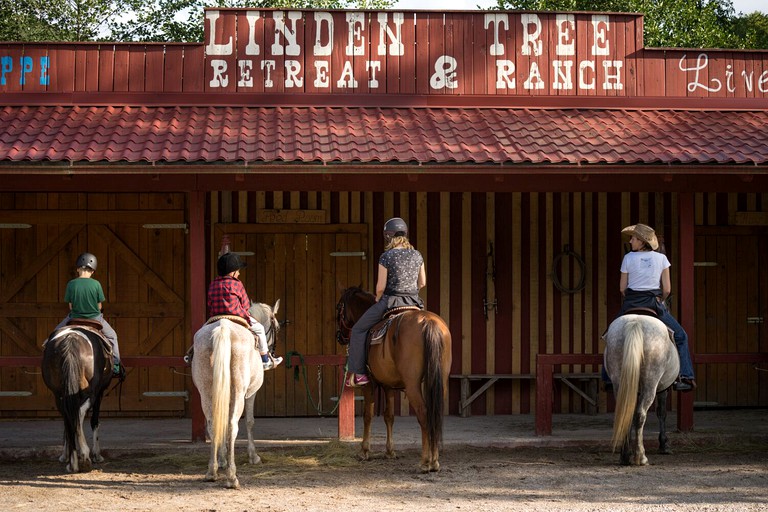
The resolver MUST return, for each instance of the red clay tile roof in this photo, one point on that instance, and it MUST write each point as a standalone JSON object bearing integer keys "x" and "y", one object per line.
{"x": 381, "y": 135}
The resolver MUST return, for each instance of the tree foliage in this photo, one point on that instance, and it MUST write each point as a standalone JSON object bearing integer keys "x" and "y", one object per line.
{"x": 670, "y": 23}
{"x": 133, "y": 20}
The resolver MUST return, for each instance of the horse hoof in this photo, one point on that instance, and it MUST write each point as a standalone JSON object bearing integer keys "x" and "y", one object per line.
{"x": 209, "y": 477}
{"x": 233, "y": 484}
{"x": 665, "y": 451}
{"x": 390, "y": 455}
{"x": 86, "y": 466}
{"x": 98, "y": 458}
{"x": 255, "y": 459}
{"x": 435, "y": 467}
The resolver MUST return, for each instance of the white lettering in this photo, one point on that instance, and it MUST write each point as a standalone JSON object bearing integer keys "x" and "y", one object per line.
{"x": 531, "y": 41}
{"x": 267, "y": 66}
{"x": 583, "y": 82}
{"x": 566, "y": 25}
{"x": 600, "y": 27}
{"x": 504, "y": 70}
{"x": 372, "y": 67}
{"x": 396, "y": 46}
{"x": 214, "y": 48}
{"x": 497, "y": 48}
{"x": 220, "y": 79}
{"x": 289, "y": 35}
{"x": 252, "y": 48}
{"x": 246, "y": 80}
{"x": 761, "y": 84}
{"x": 534, "y": 76}
{"x": 355, "y": 33}
{"x": 445, "y": 73}
{"x": 292, "y": 78}
{"x": 322, "y": 81}
{"x": 323, "y": 19}
{"x": 702, "y": 61}
{"x": 350, "y": 77}
{"x": 564, "y": 74}
{"x": 615, "y": 77}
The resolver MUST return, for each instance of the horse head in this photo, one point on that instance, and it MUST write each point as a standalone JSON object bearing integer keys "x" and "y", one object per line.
{"x": 353, "y": 303}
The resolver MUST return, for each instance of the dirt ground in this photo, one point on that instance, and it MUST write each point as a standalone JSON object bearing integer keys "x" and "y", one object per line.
{"x": 714, "y": 477}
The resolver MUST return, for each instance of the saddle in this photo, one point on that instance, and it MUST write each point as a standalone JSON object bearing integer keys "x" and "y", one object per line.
{"x": 233, "y": 318}
{"x": 378, "y": 331}
{"x": 86, "y": 326}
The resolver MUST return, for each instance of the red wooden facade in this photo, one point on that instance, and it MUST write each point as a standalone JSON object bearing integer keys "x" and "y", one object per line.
{"x": 494, "y": 232}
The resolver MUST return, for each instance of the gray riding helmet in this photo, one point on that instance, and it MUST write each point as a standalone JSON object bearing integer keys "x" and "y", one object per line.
{"x": 395, "y": 227}
{"x": 87, "y": 260}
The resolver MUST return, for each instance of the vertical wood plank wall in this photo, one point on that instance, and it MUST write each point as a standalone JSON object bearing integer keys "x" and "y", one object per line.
{"x": 501, "y": 246}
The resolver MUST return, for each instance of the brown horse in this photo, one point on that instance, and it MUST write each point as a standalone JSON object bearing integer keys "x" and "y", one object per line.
{"x": 415, "y": 350}
{"x": 77, "y": 369}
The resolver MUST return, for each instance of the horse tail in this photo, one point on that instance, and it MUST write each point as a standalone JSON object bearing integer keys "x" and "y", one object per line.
{"x": 433, "y": 381}
{"x": 629, "y": 382}
{"x": 72, "y": 383}
{"x": 220, "y": 387}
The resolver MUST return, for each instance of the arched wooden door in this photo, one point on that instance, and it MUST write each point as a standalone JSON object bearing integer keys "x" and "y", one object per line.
{"x": 140, "y": 243}
{"x": 303, "y": 265}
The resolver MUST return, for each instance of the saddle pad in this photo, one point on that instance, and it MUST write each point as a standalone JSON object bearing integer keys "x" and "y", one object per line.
{"x": 233, "y": 318}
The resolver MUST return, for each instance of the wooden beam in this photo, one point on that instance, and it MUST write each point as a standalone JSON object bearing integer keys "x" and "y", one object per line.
{"x": 687, "y": 298}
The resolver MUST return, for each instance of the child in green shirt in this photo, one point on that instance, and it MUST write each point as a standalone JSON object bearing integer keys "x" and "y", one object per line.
{"x": 85, "y": 296}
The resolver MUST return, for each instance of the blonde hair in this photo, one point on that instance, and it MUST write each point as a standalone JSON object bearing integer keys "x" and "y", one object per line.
{"x": 398, "y": 241}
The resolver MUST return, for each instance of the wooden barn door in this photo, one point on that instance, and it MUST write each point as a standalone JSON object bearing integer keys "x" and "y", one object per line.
{"x": 731, "y": 284}
{"x": 140, "y": 245}
{"x": 303, "y": 265}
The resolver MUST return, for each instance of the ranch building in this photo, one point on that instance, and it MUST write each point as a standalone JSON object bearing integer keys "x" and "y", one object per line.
{"x": 516, "y": 145}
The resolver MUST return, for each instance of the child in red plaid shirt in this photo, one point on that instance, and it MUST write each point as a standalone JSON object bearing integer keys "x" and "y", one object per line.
{"x": 227, "y": 296}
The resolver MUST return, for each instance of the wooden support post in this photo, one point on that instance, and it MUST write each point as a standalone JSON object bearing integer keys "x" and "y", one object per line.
{"x": 346, "y": 418}
{"x": 687, "y": 228}
{"x": 197, "y": 294}
{"x": 543, "y": 398}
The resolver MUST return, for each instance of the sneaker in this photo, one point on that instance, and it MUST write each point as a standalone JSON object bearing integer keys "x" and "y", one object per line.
{"x": 684, "y": 385}
{"x": 118, "y": 370}
{"x": 272, "y": 363}
{"x": 357, "y": 380}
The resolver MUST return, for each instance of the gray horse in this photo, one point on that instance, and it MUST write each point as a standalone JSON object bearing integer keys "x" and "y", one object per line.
{"x": 642, "y": 362}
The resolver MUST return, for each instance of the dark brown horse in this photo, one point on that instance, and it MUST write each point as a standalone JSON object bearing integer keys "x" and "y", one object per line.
{"x": 415, "y": 350}
{"x": 77, "y": 369}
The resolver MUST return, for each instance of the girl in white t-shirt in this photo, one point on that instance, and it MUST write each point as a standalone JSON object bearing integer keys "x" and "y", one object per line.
{"x": 645, "y": 283}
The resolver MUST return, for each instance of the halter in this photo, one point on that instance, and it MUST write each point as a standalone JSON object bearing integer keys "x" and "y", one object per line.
{"x": 341, "y": 317}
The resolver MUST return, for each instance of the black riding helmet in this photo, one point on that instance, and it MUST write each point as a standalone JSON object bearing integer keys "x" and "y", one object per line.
{"x": 395, "y": 227}
{"x": 86, "y": 260}
{"x": 229, "y": 262}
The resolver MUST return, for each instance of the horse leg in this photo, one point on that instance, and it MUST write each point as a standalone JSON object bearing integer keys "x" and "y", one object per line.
{"x": 81, "y": 456}
{"x": 367, "y": 417}
{"x": 231, "y": 470}
{"x": 96, "y": 452}
{"x": 413, "y": 392}
{"x": 661, "y": 414}
{"x": 213, "y": 463}
{"x": 253, "y": 457}
{"x": 638, "y": 425}
{"x": 389, "y": 420}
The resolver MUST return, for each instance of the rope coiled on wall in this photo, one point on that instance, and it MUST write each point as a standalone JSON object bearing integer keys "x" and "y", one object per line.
{"x": 582, "y": 267}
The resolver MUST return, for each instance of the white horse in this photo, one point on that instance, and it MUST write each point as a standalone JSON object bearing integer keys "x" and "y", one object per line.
{"x": 227, "y": 371}
{"x": 642, "y": 362}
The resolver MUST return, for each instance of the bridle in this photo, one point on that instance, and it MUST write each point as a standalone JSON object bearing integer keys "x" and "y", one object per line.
{"x": 344, "y": 330}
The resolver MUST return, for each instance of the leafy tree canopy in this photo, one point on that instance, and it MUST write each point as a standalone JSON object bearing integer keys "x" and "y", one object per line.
{"x": 671, "y": 23}
{"x": 133, "y": 20}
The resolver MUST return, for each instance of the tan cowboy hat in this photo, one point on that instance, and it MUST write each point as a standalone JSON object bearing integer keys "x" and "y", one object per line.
{"x": 644, "y": 233}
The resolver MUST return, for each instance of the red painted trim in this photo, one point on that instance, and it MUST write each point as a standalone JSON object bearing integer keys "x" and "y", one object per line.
{"x": 211, "y": 99}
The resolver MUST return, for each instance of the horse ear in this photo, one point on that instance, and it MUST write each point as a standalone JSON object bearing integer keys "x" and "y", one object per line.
{"x": 276, "y": 307}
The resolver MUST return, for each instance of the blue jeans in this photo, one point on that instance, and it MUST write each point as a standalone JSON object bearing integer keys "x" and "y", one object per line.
{"x": 108, "y": 331}
{"x": 356, "y": 356}
{"x": 681, "y": 341}
{"x": 680, "y": 336}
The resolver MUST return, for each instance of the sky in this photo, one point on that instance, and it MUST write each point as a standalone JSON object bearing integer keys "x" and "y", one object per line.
{"x": 745, "y": 6}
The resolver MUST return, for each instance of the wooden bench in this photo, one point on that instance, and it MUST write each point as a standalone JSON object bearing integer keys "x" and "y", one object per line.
{"x": 592, "y": 381}
{"x": 569, "y": 379}
{"x": 465, "y": 400}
